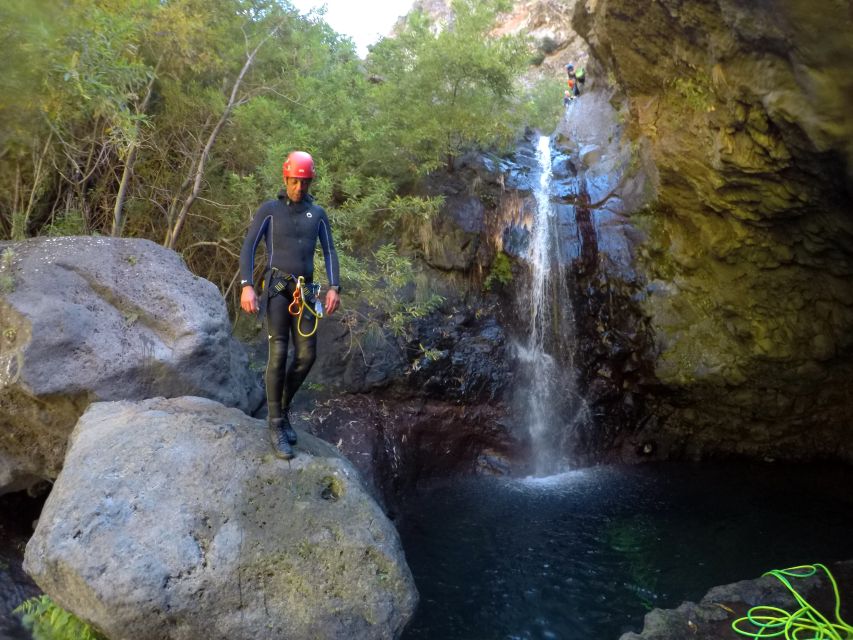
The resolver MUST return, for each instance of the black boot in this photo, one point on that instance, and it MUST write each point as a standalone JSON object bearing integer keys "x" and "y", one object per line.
{"x": 288, "y": 429}
{"x": 278, "y": 436}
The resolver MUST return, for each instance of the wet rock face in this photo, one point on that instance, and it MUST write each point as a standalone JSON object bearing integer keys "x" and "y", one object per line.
{"x": 739, "y": 115}
{"x": 87, "y": 319}
{"x": 457, "y": 355}
{"x": 407, "y": 409}
{"x": 466, "y": 360}
{"x": 431, "y": 402}
{"x": 399, "y": 443}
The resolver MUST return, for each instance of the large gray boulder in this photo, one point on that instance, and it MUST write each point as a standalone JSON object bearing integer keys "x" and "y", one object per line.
{"x": 86, "y": 319}
{"x": 172, "y": 519}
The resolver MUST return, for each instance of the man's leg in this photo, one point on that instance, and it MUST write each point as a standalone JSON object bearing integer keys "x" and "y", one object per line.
{"x": 278, "y": 328}
{"x": 304, "y": 354}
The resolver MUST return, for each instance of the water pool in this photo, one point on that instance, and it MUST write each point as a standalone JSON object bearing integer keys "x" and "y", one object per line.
{"x": 587, "y": 553}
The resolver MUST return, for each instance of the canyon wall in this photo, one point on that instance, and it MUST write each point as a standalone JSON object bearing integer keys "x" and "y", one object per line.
{"x": 737, "y": 116}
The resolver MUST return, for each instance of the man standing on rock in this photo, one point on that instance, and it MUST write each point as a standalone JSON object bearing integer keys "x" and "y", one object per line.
{"x": 291, "y": 226}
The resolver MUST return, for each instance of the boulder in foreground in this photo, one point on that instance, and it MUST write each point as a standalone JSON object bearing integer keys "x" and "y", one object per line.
{"x": 172, "y": 519}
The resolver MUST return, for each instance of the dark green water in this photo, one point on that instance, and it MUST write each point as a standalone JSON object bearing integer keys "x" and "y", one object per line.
{"x": 586, "y": 554}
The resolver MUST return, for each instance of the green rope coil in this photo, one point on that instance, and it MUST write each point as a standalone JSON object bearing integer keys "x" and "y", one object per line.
{"x": 773, "y": 622}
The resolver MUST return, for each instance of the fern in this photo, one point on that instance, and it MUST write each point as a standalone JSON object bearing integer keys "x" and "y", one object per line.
{"x": 48, "y": 621}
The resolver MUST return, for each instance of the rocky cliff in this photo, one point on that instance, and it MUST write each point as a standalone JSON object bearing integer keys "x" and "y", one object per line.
{"x": 735, "y": 117}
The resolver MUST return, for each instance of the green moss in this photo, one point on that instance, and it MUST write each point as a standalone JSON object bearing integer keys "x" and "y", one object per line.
{"x": 325, "y": 576}
{"x": 635, "y": 159}
{"x": 695, "y": 92}
{"x": 655, "y": 252}
{"x": 500, "y": 273}
{"x": 333, "y": 488}
{"x": 611, "y": 78}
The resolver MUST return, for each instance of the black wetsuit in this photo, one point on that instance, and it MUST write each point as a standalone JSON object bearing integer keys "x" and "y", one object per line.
{"x": 291, "y": 231}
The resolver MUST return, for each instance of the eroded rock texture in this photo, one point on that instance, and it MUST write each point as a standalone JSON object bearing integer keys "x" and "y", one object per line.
{"x": 740, "y": 116}
{"x": 87, "y": 319}
{"x": 173, "y": 519}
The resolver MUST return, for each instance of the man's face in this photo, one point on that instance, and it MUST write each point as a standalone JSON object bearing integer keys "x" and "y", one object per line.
{"x": 297, "y": 188}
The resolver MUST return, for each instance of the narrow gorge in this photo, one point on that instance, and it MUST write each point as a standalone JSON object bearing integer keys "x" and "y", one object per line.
{"x": 616, "y": 372}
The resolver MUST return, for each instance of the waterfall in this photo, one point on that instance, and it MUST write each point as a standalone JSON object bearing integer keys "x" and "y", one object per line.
{"x": 550, "y": 404}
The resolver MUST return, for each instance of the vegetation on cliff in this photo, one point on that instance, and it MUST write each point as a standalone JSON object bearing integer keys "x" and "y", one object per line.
{"x": 169, "y": 120}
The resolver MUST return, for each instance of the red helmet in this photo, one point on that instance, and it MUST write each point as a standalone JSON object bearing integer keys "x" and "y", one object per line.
{"x": 298, "y": 165}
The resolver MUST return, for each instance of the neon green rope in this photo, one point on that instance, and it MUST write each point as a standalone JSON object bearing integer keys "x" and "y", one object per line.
{"x": 773, "y": 622}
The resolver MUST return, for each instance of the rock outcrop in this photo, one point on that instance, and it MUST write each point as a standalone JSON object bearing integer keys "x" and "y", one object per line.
{"x": 88, "y": 319}
{"x": 712, "y": 617}
{"x": 544, "y": 22}
{"x": 738, "y": 116}
{"x": 172, "y": 519}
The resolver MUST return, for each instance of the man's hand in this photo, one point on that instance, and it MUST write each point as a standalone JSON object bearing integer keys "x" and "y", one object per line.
{"x": 333, "y": 301}
{"x": 249, "y": 300}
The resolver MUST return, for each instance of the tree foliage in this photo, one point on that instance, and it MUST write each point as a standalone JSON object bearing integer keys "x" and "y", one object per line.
{"x": 169, "y": 120}
{"x": 444, "y": 88}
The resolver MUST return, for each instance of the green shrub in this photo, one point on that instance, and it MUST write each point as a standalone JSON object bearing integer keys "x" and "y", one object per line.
{"x": 537, "y": 59}
{"x": 69, "y": 223}
{"x": 544, "y": 104}
{"x": 47, "y": 621}
{"x": 548, "y": 45}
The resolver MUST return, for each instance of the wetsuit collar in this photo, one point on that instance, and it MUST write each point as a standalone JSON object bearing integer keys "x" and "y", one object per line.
{"x": 307, "y": 199}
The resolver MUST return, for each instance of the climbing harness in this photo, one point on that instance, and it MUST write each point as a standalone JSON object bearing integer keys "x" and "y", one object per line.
{"x": 306, "y": 295}
{"x": 773, "y": 622}
{"x": 271, "y": 285}
{"x": 306, "y": 291}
